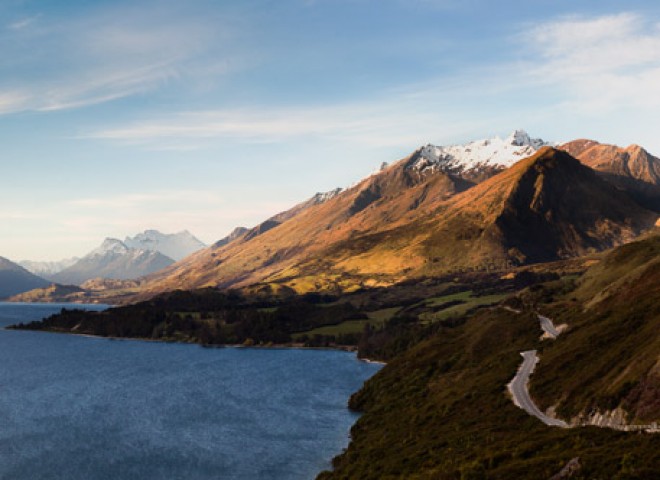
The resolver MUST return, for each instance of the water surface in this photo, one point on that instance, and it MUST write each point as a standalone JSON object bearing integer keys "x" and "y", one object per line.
{"x": 75, "y": 407}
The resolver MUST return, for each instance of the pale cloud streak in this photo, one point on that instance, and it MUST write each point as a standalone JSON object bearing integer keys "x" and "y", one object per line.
{"x": 103, "y": 56}
{"x": 594, "y": 64}
{"x": 22, "y": 23}
{"x": 398, "y": 122}
{"x": 601, "y": 64}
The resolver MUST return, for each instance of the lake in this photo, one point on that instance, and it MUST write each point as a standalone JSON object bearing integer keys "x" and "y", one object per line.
{"x": 74, "y": 407}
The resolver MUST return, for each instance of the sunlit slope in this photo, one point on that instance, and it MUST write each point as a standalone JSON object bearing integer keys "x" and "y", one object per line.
{"x": 397, "y": 225}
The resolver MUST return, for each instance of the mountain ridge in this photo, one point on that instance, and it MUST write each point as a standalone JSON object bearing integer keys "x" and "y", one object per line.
{"x": 377, "y": 232}
{"x": 173, "y": 245}
{"x": 16, "y": 279}
{"x": 113, "y": 259}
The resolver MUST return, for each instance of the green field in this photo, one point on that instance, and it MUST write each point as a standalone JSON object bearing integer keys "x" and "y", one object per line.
{"x": 376, "y": 319}
{"x": 469, "y": 303}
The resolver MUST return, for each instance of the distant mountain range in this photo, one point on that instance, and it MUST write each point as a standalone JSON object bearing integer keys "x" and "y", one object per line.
{"x": 16, "y": 279}
{"x": 173, "y": 245}
{"x": 144, "y": 253}
{"x": 47, "y": 269}
{"x": 113, "y": 260}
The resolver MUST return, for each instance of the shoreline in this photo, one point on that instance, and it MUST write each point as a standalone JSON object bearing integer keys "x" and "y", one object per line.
{"x": 275, "y": 346}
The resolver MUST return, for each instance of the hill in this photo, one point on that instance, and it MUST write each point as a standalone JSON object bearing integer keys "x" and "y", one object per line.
{"x": 613, "y": 341}
{"x": 440, "y": 407}
{"x": 441, "y": 410}
{"x": 53, "y": 293}
{"x": 16, "y": 279}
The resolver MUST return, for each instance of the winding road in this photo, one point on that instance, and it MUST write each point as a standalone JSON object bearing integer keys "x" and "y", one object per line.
{"x": 519, "y": 386}
{"x": 548, "y": 327}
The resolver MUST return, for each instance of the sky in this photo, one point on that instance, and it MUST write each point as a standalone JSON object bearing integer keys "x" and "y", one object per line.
{"x": 119, "y": 116}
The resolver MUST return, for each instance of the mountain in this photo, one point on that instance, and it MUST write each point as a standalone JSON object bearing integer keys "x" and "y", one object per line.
{"x": 405, "y": 222}
{"x": 249, "y": 233}
{"x": 47, "y": 269}
{"x": 631, "y": 169}
{"x": 173, "y": 245}
{"x": 546, "y": 207}
{"x": 479, "y": 159}
{"x": 16, "y": 279}
{"x": 113, "y": 260}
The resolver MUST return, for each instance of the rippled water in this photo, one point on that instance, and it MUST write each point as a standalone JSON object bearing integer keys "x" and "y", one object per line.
{"x": 76, "y": 407}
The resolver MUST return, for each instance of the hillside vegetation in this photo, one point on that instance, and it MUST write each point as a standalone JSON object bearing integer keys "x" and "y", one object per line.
{"x": 441, "y": 411}
{"x": 610, "y": 356}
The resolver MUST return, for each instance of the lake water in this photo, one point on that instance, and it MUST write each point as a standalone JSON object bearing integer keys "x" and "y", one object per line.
{"x": 75, "y": 407}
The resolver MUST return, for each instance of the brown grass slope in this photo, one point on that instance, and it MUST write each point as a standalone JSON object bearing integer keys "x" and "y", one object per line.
{"x": 544, "y": 208}
{"x": 396, "y": 225}
{"x": 395, "y": 196}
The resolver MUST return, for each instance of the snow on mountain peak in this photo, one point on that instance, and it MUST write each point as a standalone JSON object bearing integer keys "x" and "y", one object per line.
{"x": 173, "y": 245}
{"x": 322, "y": 197}
{"x": 478, "y": 155}
{"x": 110, "y": 245}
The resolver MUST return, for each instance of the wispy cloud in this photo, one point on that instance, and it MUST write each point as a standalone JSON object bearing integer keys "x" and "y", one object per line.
{"x": 23, "y": 23}
{"x": 131, "y": 200}
{"x": 103, "y": 55}
{"x": 398, "y": 122}
{"x": 590, "y": 64}
{"x": 601, "y": 63}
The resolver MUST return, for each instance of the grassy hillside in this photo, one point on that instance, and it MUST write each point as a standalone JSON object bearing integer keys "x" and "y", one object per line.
{"x": 441, "y": 411}
{"x": 610, "y": 356}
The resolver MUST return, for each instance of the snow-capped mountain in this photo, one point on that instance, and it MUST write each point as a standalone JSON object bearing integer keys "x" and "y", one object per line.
{"x": 114, "y": 260}
{"x": 475, "y": 158}
{"x": 47, "y": 269}
{"x": 173, "y": 245}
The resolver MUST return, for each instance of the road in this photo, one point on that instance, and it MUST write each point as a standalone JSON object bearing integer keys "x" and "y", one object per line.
{"x": 520, "y": 391}
{"x": 548, "y": 327}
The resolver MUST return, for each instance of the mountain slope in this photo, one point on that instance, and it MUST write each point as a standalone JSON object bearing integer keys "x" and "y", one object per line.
{"x": 396, "y": 195}
{"x": 16, "y": 279}
{"x": 404, "y": 223}
{"x": 113, "y": 260}
{"x": 173, "y": 245}
{"x": 546, "y": 207}
{"x": 632, "y": 169}
{"x": 393, "y": 196}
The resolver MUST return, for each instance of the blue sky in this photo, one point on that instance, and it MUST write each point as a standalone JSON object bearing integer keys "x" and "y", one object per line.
{"x": 118, "y": 116}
